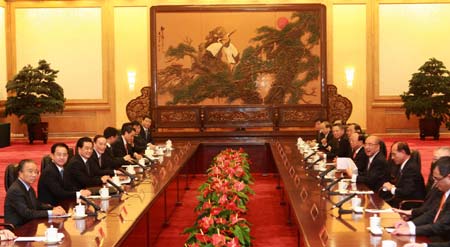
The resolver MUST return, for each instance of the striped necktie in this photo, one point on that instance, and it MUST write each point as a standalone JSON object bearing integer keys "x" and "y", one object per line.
{"x": 441, "y": 205}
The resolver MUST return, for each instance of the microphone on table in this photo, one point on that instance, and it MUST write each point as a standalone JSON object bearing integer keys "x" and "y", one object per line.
{"x": 151, "y": 161}
{"x": 312, "y": 164}
{"x": 306, "y": 158}
{"x": 135, "y": 162}
{"x": 324, "y": 173}
{"x": 341, "y": 202}
{"x": 90, "y": 203}
{"x": 332, "y": 184}
{"x": 116, "y": 186}
{"x": 131, "y": 176}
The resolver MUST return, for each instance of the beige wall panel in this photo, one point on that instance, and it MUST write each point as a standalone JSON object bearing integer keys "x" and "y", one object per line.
{"x": 70, "y": 39}
{"x": 349, "y": 51}
{"x": 131, "y": 40}
{"x": 410, "y": 34}
{"x": 3, "y": 77}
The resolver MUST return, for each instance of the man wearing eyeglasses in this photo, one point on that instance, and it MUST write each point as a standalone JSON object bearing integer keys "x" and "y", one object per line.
{"x": 434, "y": 223}
{"x": 376, "y": 167}
{"x": 51, "y": 186}
{"x": 433, "y": 193}
{"x": 21, "y": 204}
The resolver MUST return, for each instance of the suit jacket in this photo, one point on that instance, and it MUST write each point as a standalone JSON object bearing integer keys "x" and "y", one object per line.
{"x": 329, "y": 138}
{"x": 119, "y": 150}
{"x": 376, "y": 174}
{"x": 440, "y": 228}
{"x": 361, "y": 160}
{"x": 409, "y": 184}
{"x": 146, "y": 136}
{"x": 22, "y": 206}
{"x": 432, "y": 201}
{"x": 140, "y": 144}
{"x": 77, "y": 176}
{"x": 111, "y": 162}
{"x": 94, "y": 166}
{"x": 440, "y": 244}
{"x": 340, "y": 148}
{"x": 51, "y": 186}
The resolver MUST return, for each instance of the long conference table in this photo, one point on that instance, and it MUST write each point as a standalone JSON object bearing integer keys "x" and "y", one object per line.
{"x": 137, "y": 218}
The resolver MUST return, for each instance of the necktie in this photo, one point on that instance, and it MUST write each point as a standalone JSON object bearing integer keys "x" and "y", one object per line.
{"x": 87, "y": 168}
{"x": 354, "y": 154}
{"x": 441, "y": 205}
{"x": 62, "y": 173}
{"x": 32, "y": 198}
{"x": 100, "y": 161}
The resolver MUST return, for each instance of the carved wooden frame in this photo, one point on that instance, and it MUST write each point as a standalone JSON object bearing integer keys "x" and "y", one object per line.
{"x": 224, "y": 116}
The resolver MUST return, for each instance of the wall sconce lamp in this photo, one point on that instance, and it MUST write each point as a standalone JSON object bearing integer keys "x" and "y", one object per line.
{"x": 131, "y": 80}
{"x": 350, "y": 76}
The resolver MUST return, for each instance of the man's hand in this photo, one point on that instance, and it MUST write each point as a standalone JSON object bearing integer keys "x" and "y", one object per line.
{"x": 400, "y": 224}
{"x": 85, "y": 193}
{"x": 7, "y": 235}
{"x": 57, "y": 211}
{"x": 414, "y": 245}
{"x": 402, "y": 230}
{"x": 127, "y": 158}
{"x": 388, "y": 186}
{"x": 349, "y": 171}
{"x": 105, "y": 178}
{"x": 138, "y": 156}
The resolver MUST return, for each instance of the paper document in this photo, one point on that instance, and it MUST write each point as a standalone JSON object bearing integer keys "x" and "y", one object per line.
{"x": 29, "y": 239}
{"x": 374, "y": 210}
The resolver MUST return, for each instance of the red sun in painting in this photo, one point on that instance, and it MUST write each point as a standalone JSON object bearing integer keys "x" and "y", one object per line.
{"x": 282, "y": 22}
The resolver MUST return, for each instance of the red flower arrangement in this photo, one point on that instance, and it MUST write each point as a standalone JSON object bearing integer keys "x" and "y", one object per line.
{"x": 222, "y": 200}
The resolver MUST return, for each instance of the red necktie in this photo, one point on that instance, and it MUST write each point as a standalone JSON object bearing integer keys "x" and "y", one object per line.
{"x": 441, "y": 205}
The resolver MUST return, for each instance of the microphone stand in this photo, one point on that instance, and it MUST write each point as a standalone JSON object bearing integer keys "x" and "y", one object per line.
{"x": 324, "y": 173}
{"x": 118, "y": 188}
{"x": 306, "y": 158}
{"x": 135, "y": 162}
{"x": 312, "y": 164}
{"x": 91, "y": 203}
{"x": 340, "y": 203}
{"x": 331, "y": 185}
{"x": 131, "y": 176}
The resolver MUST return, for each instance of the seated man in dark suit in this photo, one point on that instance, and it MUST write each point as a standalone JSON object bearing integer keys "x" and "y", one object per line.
{"x": 318, "y": 130}
{"x": 21, "y": 204}
{"x": 111, "y": 134}
{"x": 409, "y": 183}
{"x": 123, "y": 146}
{"x": 139, "y": 143}
{"x": 78, "y": 174}
{"x": 340, "y": 146}
{"x": 353, "y": 128}
{"x": 433, "y": 223}
{"x": 433, "y": 194}
{"x": 326, "y": 137}
{"x": 146, "y": 131}
{"x": 99, "y": 161}
{"x": 375, "y": 172}
{"x": 359, "y": 156}
{"x": 51, "y": 186}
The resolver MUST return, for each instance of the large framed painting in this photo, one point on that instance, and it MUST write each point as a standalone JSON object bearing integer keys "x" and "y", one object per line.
{"x": 238, "y": 65}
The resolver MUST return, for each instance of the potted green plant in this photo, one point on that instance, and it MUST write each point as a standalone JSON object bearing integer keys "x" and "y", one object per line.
{"x": 32, "y": 92}
{"x": 428, "y": 97}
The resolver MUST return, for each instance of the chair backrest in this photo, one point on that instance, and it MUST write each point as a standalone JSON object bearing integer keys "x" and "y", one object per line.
{"x": 46, "y": 160}
{"x": 415, "y": 156}
{"x": 11, "y": 174}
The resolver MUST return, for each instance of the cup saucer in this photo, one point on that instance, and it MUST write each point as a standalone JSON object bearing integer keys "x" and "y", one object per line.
{"x": 78, "y": 217}
{"x": 51, "y": 242}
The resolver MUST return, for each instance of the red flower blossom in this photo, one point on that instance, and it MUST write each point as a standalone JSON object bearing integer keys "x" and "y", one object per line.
{"x": 233, "y": 243}
{"x": 239, "y": 186}
{"x": 223, "y": 199}
{"x": 202, "y": 238}
{"x": 218, "y": 240}
{"x": 205, "y": 223}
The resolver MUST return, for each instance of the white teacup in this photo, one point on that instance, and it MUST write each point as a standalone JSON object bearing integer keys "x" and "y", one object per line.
{"x": 79, "y": 210}
{"x": 388, "y": 243}
{"x": 51, "y": 234}
{"x": 130, "y": 168}
{"x": 356, "y": 202}
{"x": 104, "y": 205}
{"x": 149, "y": 152}
{"x": 104, "y": 192}
{"x": 375, "y": 221}
{"x": 116, "y": 180}
{"x": 142, "y": 162}
{"x": 342, "y": 185}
